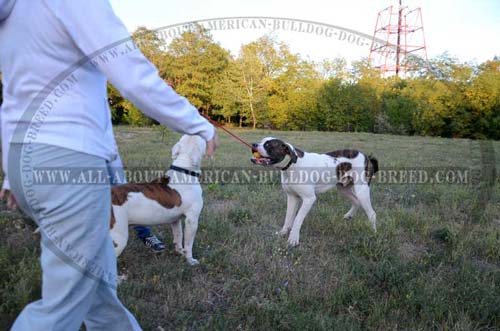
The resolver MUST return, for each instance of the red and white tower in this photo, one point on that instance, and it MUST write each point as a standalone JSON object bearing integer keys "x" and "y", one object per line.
{"x": 398, "y": 44}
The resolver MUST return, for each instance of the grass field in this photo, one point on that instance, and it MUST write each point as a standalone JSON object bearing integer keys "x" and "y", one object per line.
{"x": 433, "y": 265}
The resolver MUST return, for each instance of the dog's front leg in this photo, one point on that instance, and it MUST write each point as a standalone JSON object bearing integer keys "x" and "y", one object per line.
{"x": 177, "y": 234}
{"x": 291, "y": 212}
{"x": 119, "y": 230}
{"x": 293, "y": 239}
{"x": 189, "y": 232}
{"x": 347, "y": 193}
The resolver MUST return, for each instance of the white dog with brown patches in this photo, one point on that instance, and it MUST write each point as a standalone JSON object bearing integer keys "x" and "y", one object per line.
{"x": 303, "y": 175}
{"x": 164, "y": 201}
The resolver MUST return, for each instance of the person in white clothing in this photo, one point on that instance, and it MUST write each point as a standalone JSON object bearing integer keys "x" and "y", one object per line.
{"x": 56, "y": 57}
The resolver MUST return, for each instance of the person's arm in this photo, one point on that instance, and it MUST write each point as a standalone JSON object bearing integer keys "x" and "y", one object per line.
{"x": 116, "y": 171}
{"x": 93, "y": 26}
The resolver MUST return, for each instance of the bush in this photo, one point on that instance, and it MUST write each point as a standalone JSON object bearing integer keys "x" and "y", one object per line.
{"x": 134, "y": 116}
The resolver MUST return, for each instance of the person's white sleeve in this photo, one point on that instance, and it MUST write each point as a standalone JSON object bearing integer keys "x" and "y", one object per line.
{"x": 117, "y": 172}
{"x": 98, "y": 32}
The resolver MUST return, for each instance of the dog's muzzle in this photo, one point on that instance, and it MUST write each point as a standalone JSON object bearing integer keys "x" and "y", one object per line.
{"x": 257, "y": 158}
{"x": 265, "y": 161}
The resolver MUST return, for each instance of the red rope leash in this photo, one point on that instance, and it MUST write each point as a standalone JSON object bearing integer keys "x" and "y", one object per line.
{"x": 227, "y": 131}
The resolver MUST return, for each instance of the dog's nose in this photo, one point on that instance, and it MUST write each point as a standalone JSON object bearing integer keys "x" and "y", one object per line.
{"x": 254, "y": 147}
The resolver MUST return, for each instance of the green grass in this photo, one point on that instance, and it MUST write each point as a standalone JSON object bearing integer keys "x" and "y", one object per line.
{"x": 433, "y": 265}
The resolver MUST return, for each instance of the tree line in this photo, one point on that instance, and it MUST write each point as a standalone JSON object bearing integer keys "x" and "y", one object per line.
{"x": 268, "y": 86}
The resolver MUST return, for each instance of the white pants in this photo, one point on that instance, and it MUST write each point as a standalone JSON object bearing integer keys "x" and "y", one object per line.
{"x": 78, "y": 261}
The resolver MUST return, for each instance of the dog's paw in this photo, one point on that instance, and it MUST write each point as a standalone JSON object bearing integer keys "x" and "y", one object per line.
{"x": 192, "y": 261}
{"x": 348, "y": 216}
{"x": 293, "y": 240}
{"x": 283, "y": 232}
{"x": 179, "y": 250}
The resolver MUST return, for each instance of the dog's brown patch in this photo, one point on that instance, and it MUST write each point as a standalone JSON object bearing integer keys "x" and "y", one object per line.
{"x": 157, "y": 190}
{"x": 342, "y": 176}
{"x": 347, "y": 153}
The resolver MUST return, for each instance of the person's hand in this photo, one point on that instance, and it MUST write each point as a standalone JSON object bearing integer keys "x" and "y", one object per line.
{"x": 11, "y": 199}
{"x": 212, "y": 145}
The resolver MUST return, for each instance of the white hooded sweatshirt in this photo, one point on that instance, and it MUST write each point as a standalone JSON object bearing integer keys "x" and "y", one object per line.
{"x": 56, "y": 57}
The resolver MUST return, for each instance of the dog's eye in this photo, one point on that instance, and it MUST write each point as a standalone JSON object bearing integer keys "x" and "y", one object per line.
{"x": 266, "y": 144}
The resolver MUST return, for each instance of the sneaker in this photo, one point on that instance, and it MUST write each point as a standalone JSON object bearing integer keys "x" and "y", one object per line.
{"x": 153, "y": 243}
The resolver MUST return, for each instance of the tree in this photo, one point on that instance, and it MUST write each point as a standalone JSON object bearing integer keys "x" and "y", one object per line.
{"x": 292, "y": 104}
{"x": 347, "y": 106}
{"x": 269, "y": 84}
{"x": 195, "y": 64}
{"x": 256, "y": 64}
{"x": 122, "y": 110}
{"x": 448, "y": 68}
{"x": 335, "y": 68}
{"x": 483, "y": 99}
{"x": 229, "y": 94}
{"x": 397, "y": 113}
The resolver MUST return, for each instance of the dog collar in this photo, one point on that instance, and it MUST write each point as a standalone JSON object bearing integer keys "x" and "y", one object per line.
{"x": 288, "y": 165}
{"x": 185, "y": 171}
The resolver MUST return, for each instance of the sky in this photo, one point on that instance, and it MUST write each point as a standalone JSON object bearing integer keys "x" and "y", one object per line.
{"x": 466, "y": 29}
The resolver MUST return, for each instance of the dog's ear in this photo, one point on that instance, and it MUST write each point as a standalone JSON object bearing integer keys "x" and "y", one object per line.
{"x": 176, "y": 150}
{"x": 291, "y": 151}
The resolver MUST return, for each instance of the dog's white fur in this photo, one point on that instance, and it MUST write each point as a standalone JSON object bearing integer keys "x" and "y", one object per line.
{"x": 140, "y": 210}
{"x": 357, "y": 192}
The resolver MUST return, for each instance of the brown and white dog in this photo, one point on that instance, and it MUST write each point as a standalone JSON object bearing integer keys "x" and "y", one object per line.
{"x": 166, "y": 200}
{"x": 304, "y": 175}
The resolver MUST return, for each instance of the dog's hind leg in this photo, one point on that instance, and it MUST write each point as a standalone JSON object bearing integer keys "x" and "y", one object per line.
{"x": 307, "y": 202}
{"x": 362, "y": 192}
{"x": 346, "y": 192}
{"x": 291, "y": 211}
{"x": 189, "y": 232}
{"x": 177, "y": 234}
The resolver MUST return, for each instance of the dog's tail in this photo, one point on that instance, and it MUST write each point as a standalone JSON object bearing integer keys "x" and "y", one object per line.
{"x": 371, "y": 167}
{"x": 374, "y": 163}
